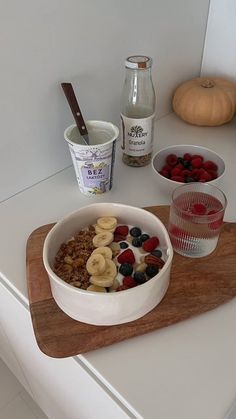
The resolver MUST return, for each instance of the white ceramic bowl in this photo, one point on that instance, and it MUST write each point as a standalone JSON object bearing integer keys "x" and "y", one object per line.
{"x": 107, "y": 308}
{"x": 166, "y": 185}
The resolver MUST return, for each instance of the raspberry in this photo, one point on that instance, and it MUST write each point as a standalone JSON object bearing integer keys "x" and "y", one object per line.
{"x": 118, "y": 238}
{"x": 201, "y": 171}
{"x": 167, "y": 167}
{"x": 197, "y": 156}
{"x": 171, "y": 159}
{"x": 186, "y": 172}
{"x": 199, "y": 209}
{"x": 187, "y": 156}
{"x": 122, "y": 230}
{"x": 175, "y": 171}
{"x": 211, "y": 212}
{"x": 205, "y": 177}
{"x": 215, "y": 224}
{"x": 213, "y": 173}
{"x": 164, "y": 173}
{"x": 210, "y": 165}
{"x": 176, "y": 231}
{"x": 129, "y": 282}
{"x": 122, "y": 288}
{"x": 150, "y": 244}
{"x": 178, "y": 178}
{"x": 180, "y": 166}
{"x": 197, "y": 162}
{"x": 195, "y": 174}
{"x": 126, "y": 257}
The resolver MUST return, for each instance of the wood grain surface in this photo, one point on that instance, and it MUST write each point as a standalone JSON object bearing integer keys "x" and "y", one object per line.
{"x": 196, "y": 286}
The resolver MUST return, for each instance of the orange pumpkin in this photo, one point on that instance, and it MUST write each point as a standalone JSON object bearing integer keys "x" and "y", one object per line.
{"x": 205, "y": 101}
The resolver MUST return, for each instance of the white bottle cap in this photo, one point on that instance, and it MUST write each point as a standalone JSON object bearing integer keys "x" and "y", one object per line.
{"x": 138, "y": 62}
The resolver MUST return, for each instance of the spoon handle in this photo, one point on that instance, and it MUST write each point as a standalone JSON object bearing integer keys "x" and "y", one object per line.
{"x": 74, "y": 106}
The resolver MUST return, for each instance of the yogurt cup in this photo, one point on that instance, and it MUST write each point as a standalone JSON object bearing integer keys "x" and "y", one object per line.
{"x": 93, "y": 163}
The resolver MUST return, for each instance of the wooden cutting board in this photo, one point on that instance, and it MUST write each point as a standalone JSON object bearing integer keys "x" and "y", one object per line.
{"x": 196, "y": 286}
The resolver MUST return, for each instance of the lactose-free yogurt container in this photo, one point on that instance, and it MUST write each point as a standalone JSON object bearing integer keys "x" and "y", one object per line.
{"x": 93, "y": 163}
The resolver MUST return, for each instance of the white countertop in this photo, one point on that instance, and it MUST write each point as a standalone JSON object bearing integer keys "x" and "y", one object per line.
{"x": 184, "y": 371}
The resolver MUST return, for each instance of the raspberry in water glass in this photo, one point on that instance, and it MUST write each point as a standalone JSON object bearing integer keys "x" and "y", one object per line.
{"x": 196, "y": 217}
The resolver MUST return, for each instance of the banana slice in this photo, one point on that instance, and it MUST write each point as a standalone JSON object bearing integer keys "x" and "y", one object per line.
{"x": 96, "y": 264}
{"x": 115, "y": 285}
{"x": 101, "y": 280}
{"x": 96, "y": 288}
{"x": 101, "y": 230}
{"x": 103, "y": 239}
{"x": 110, "y": 269}
{"x": 107, "y": 222}
{"x": 105, "y": 251}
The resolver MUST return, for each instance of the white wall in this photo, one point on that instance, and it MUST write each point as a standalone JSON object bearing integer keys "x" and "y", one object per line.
{"x": 86, "y": 42}
{"x": 220, "y": 46}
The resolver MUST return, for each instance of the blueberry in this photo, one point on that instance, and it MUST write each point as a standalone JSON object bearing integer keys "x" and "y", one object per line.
{"x": 189, "y": 179}
{"x": 135, "y": 232}
{"x": 126, "y": 269}
{"x": 180, "y": 160}
{"x": 140, "y": 277}
{"x": 186, "y": 164}
{"x": 123, "y": 245}
{"x": 144, "y": 237}
{"x": 137, "y": 242}
{"x": 152, "y": 270}
{"x": 157, "y": 253}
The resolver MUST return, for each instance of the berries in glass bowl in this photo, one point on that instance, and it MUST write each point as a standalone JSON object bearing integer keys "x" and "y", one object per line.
{"x": 175, "y": 165}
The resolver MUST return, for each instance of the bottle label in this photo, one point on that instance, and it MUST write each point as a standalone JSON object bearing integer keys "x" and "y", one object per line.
{"x": 137, "y": 135}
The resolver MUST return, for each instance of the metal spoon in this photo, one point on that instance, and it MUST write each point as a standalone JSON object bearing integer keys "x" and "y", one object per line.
{"x": 75, "y": 109}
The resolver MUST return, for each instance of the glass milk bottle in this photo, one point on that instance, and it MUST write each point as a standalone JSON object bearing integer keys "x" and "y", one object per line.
{"x": 137, "y": 111}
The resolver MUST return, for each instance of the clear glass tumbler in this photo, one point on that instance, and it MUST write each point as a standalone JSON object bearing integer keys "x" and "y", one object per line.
{"x": 196, "y": 217}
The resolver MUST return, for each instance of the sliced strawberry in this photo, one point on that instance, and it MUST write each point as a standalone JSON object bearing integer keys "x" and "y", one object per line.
{"x": 126, "y": 257}
{"x": 122, "y": 230}
{"x": 129, "y": 282}
{"x": 150, "y": 244}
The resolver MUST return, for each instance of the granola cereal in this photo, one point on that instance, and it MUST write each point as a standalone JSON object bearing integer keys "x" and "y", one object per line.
{"x": 71, "y": 258}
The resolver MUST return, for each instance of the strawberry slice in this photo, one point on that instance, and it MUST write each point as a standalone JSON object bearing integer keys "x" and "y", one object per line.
{"x": 150, "y": 244}
{"x": 126, "y": 257}
{"x": 122, "y": 230}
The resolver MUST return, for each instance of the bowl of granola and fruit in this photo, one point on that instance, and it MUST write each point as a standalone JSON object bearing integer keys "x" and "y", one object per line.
{"x": 108, "y": 263}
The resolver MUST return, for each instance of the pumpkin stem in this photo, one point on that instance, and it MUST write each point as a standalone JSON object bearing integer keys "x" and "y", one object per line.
{"x": 207, "y": 83}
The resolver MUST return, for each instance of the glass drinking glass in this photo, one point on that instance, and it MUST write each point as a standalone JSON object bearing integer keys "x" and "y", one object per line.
{"x": 196, "y": 217}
